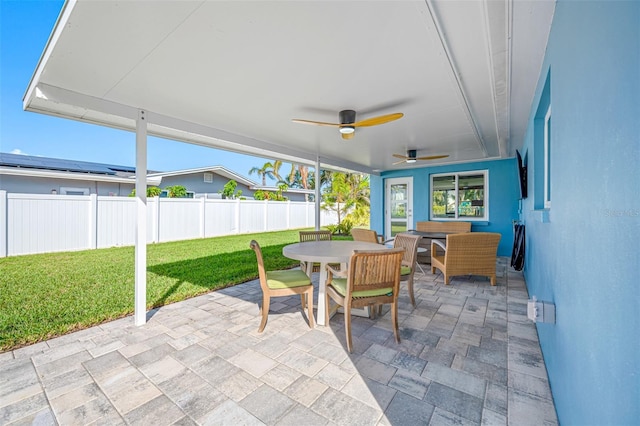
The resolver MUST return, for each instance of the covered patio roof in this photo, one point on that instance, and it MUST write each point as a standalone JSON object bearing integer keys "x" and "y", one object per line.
{"x": 233, "y": 75}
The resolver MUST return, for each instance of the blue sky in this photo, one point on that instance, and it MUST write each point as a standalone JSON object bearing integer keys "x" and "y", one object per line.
{"x": 25, "y": 26}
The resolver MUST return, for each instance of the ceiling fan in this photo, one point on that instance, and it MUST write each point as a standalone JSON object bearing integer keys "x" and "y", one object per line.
{"x": 348, "y": 123}
{"x": 412, "y": 158}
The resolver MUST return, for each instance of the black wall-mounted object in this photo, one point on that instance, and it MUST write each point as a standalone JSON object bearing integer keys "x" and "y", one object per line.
{"x": 522, "y": 174}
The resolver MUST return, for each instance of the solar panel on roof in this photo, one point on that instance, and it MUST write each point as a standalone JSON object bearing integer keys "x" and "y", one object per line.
{"x": 15, "y": 160}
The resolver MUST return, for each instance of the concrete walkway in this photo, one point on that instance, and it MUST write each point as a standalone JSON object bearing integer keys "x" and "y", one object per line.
{"x": 468, "y": 356}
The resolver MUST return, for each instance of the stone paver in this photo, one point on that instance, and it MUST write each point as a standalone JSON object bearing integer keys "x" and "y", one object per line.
{"x": 468, "y": 356}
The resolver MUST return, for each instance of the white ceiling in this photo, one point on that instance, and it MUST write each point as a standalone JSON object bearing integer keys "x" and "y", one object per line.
{"x": 233, "y": 74}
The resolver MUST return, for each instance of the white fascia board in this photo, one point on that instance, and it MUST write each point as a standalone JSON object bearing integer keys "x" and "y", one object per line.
{"x": 68, "y": 104}
{"x": 59, "y": 26}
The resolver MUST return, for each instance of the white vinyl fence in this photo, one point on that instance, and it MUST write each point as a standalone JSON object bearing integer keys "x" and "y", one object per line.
{"x": 37, "y": 223}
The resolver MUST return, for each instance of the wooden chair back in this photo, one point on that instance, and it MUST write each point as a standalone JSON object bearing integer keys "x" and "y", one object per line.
{"x": 410, "y": 245}
{"x": 262, "y": 274}
{"x": 365, "y": 235}
{"x": 374, "y": 270}
{"x": 321, "y": 235}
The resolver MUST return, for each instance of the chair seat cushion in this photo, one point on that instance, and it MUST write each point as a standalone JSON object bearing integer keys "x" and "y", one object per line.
{"x": 405, "y": 270}
{"x": 340, "y": 284}
{"x": 287, "y": 279}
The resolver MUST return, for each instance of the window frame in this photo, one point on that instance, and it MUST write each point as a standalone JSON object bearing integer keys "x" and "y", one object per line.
{"x": 69, "y": 190}
{"x": 547, "y": 158}
{"x": 457, "y": 218}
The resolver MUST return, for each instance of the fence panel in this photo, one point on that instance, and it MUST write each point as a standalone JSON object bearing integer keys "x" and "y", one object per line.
{"x": 298, "y": 216}
{"x": 277, "y": 216}
{"x": 116, "y": 222}
{"x": 41, "y": 223}
{"x": 178, "y": 219}
{"x": 220, "y": 217}
{"x": 47, "y": 223}
{"x": 252, "y": 216}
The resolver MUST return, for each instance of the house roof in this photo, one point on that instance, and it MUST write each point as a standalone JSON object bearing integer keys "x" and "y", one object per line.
{"x": 220, "y": 170}
{"x": 47, "y": 163}
{"x": 229, "y": 174}
{"x": 57, "y": 168}
{"x": 233, "y": 75}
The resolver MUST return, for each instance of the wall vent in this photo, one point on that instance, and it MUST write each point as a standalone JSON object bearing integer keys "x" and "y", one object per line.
{"x": 208, "y": 177}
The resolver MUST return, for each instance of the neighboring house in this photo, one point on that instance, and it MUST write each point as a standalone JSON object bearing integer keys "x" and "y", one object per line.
{"x": 209, "y": 181}
{"x": 42, "y": 175}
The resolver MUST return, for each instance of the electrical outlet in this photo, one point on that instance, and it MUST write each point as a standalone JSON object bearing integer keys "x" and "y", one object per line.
{"x": 538, "y": 311}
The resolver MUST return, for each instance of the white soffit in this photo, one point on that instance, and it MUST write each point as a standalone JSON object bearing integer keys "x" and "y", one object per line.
{"x": 232, "y": 75}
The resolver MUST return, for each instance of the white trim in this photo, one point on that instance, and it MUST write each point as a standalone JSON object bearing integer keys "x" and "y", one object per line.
{"x": 387, "y": 203}
{"x": 55, "y": 101}
{"x": 547, "y": 170}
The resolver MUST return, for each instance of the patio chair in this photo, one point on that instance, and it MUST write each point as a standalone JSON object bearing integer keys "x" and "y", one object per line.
{"x": 282, "y": 283}
{"x": 450, "y": 227}
{"x": 365, "y": 235}
{"x": 410, "y": 245}
{"x": 321, "y": 235}
{"x": 372, "y": 278}
{"x": 472, "y": 253}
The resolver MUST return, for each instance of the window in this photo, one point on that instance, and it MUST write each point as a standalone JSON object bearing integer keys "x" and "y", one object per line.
{"x": 542, "y": 134}
{"x": 165, "y": 194}
{"x": 65, "y": 190}
{"x": 459, "y": 196}
{"x": 547, "y": 158}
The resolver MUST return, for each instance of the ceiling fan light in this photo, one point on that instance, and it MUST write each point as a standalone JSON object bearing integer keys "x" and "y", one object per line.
{"x": 411, "y": 160}
{"x": 345, "y": 130}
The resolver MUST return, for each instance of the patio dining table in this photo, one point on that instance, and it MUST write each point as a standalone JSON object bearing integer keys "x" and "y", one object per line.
{"x": 326, "y": 252}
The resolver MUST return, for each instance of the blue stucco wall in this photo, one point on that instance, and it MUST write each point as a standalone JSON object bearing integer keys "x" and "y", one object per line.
{"x": 583, "y": 252}
{"x": 504, "y": 193}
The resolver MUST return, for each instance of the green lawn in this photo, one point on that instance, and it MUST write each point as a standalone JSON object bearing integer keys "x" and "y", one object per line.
{"x": 47, "y": 295}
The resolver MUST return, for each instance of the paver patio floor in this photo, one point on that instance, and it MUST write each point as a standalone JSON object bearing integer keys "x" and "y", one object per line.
{"x": 468, "y": 356}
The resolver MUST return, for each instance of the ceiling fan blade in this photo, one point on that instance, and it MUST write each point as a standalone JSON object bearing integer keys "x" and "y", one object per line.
{"x": 432, "y": 157}
{"x": 400, "y": 156}
{"x": 348, "y": 135}
{"x": 315, "y": 123}
{"x": 378, "y": 120}
{"x": 399, "y": 162}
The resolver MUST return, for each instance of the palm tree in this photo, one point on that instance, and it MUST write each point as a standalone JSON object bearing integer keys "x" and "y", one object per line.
{"x": 298, "y": 178}
{"x": 268, "y": 169}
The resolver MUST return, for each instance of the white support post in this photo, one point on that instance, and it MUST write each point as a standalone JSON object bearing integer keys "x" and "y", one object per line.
{"x": 140, "y": 306}
{"x": 318, "y": 193}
